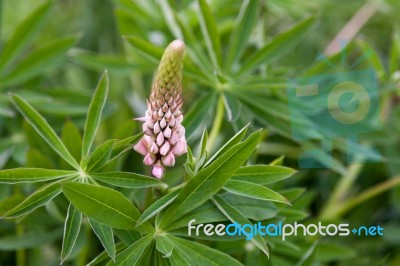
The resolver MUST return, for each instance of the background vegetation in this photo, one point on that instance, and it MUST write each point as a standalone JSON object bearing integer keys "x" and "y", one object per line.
{"x": 240, "y": 56}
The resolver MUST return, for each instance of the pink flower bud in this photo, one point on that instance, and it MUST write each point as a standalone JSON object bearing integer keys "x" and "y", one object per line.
{"x": 164, "y": 135}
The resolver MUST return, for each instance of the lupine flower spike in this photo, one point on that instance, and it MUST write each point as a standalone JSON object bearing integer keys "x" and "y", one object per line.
{"x": 164, "y": 137}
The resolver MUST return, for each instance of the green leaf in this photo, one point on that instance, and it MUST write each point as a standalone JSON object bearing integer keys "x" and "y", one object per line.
{"x": 200, "y": 254}
{"x": 10, "y": 203}
{"x": 211, "y": 36}
{"x": 232, "y": 107}
{"x": 233, "y": 141}
{"x": 41, "y": 60}
{"x": 23, "y": 35}
{"x": 29, "y": 175}
{"x": 131, "y": 255}
{"x": 210, "y": 180}
{"x": 39, "y": 198}
{"x": 106, "y": 237}
{"x": 242, "y": 30}
{"x": 198, "y": 114}
{"x": 394, "y": 56}
{"x": 72, "y": 139}
{"x": 124, "y": 145}
{"x": 235, "y": 216}
{"x": 263, "y": 174}
{"x": 203, "y": 144}
{"x": 100, "y": 156}
{"x": 94, "y": 113}
{"x": 29, "y": 240}
{"x": 43, "y": 128}
{"x": 157, "y": 206}
{"x": 126, "y": 179}
{"x": 72, "y": 227}
{"x": 104, "y": 205}
{"x": 152, "y": 52}
{"x": 281, "y": 44}
{"x": 254, "y": 191}
{"x": 104, "y": 258}
{"x": 98, "y": 62}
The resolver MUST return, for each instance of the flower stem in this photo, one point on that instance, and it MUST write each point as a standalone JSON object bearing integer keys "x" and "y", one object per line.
{"x": 341, "y": 191}
{"x": 216, "y": 124}
{"x": 368, "y": 194}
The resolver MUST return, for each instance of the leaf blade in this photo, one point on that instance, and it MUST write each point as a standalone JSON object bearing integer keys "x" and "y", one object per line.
{"x": 104, "y": 205}
{"x": 72, "y": 227}
{"x": 127, "y": 180}
{"x": 209, "y": 180}
{"x": 25, "y": 175}
{"x": 94, "y": 113}
{"x": 105, "y": 235}
{"x": 44, "y": 129}
{"x": 279, "y": 45}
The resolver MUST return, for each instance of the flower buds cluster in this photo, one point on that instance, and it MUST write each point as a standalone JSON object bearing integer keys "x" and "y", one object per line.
{"x": 164, "y": 135}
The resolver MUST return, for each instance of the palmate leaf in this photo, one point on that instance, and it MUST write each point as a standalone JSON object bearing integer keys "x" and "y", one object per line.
{"x": 209, "y": 180}
{"x": 71, "y": 231}
{"x": 43, "y": 128}
{"x": 104, "y": 205}
{"x": 94, "y": 113}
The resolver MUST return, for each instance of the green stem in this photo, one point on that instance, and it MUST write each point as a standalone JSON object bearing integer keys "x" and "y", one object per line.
{"x": 368, "y": 194}
{"x": 216, "y": 124}
{"x": 21, "y": 255}
{"x": 341, "y": 192}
